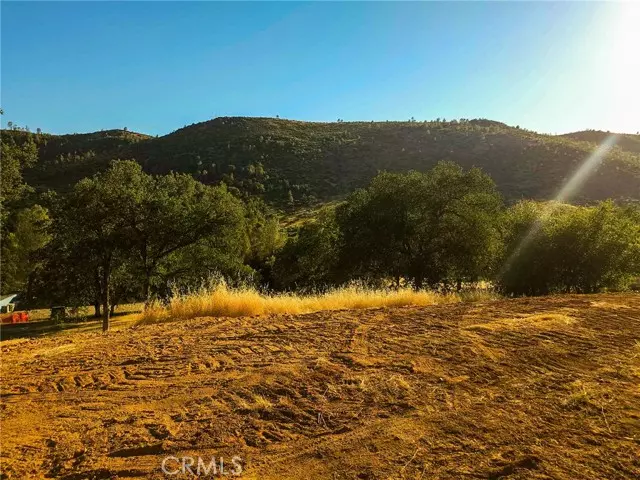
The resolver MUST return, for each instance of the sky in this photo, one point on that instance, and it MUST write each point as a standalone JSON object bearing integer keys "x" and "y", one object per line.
{"x": 154, "y": 67}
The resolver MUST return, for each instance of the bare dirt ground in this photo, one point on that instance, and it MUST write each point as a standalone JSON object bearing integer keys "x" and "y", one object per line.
{"x": 517, "y": 389}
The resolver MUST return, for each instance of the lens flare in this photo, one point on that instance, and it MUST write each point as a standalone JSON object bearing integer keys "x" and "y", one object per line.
{"x": 574, "y": 183}
{"x": 592, "y": 162}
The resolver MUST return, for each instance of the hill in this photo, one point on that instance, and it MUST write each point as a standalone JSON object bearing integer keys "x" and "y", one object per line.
{"x": 531, "y": 388}
{"x": 65, "y": 159}
{"x": 285, "y": 160}
{"x": 628, "y": 142}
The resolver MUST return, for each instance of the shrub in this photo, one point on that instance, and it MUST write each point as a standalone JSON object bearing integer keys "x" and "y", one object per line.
{"x": 557, "y": 248}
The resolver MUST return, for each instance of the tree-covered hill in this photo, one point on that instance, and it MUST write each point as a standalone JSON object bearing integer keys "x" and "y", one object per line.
{"x": 62, "y": 160}
{"x": 627, "y": 142}
{"x": 293, "y": 161}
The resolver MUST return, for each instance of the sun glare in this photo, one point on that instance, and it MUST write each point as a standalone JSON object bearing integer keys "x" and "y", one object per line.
{"x": 625, "y": 68}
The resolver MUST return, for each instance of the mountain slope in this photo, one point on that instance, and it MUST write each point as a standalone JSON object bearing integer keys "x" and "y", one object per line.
{"x": 65, "y": 159}
{"x": 305, "y": 161}
{"x": 628, "y": 142}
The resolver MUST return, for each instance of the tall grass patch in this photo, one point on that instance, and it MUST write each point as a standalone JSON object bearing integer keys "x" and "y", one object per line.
{"x": 223, "y": 301}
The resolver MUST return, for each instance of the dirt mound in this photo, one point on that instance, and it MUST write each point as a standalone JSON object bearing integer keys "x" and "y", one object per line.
{"x": 526, "y": 388}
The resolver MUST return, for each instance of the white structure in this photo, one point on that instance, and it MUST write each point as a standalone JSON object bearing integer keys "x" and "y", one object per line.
{"x": 6, "y": 303}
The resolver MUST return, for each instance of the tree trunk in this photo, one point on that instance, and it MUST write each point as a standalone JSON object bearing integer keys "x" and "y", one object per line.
{"x": 96, "y": 300}
{"x": 105, "y": 298}
{"x": 146, "y": 285}
{"x": 146, "y": 288}
{"x": 30, "y": 288}
{"x": 113, "y": 309}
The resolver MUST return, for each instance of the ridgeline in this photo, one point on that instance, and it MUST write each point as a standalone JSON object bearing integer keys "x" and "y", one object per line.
{"x": 300, "y": 163}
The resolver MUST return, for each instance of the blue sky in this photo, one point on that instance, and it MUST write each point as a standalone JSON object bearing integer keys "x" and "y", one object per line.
{"x": 157, "y": 66}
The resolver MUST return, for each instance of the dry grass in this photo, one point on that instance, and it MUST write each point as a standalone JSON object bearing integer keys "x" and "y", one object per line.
{"x": 542, "y": 321}
{"x": 78, "y": 313}
{"x": 223, "y": 301}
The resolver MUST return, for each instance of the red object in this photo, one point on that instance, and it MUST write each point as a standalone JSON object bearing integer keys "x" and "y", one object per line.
{"x": 15, "y": 317}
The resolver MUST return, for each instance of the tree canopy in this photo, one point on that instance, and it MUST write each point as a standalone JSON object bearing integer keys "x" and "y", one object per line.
{"x": 125, "y": 220}
{"x": 434, "y": 227}
{"x": 551, "y": 248}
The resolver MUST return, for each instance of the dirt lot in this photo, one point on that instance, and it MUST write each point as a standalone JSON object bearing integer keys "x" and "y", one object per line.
{"x": 517, "y": 389}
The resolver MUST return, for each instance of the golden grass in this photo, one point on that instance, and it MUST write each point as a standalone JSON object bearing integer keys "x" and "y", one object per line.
{"x": 222, "y": 301}
{"x": 541, "y": 321}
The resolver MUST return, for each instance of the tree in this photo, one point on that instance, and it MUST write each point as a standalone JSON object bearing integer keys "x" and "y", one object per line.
{"x": 17, "y": 225}
{"x": 15, "y": 156}
{"x": 127, "y": 222}
{"x": 174, "y": 212}
{"x": 187, "y": 269}
{"x": 558, "y": 248}
{"x": 67, "y": 276}
{"x": 95, "y": 219}
{"x": 435, "y": 227}
{"x": 28, "y": 235}
{"x": 264, "y": 237}
{"x": 309, "y": 260}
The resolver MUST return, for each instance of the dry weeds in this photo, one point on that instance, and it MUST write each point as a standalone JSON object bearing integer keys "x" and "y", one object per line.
{"x": 223, "y": 301}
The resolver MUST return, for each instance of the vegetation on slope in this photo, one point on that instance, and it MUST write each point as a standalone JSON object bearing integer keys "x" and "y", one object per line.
{"x": 328, "y": 159}
{"x": 66, "y": 159}
{"x": 292, "y": 162}
{"x": 124, "y": 234}
{"x": 447, "y": 228}
{"x": 628, "y": 142}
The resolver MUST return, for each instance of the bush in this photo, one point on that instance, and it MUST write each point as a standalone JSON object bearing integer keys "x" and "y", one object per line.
{"x": 557, "y": 248}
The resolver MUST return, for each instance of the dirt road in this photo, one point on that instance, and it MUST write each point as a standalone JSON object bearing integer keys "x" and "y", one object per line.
{"x": 517, "y": 389}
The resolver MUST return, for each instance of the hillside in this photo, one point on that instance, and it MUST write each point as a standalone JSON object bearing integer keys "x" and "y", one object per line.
{"x": 516, "y": 389}
{"x": 307, "y": 161}
{"x": 65, "y": 159}
{"x": 628, "y": 142}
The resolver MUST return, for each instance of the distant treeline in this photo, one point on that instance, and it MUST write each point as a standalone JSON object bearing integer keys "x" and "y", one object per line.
{"x": 125, "y": 235}
{"x": 448, "y": 227}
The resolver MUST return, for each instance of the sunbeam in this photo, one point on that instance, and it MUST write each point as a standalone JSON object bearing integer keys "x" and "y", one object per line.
{"x": 574, "y": 183}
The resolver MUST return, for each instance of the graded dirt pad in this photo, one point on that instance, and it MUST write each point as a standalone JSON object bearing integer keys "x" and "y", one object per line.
{"x": 516, "y": 389}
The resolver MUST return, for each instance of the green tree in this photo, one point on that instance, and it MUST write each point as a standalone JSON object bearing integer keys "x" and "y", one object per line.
{"x": 175, "y": 211}
{"x": 189, "y": 268}
{"x": 95, "y": 219}
{"x": 557, "y": 248}
{"x": 125, "y": 221}
{"x": 21, "y": 245}
{"x": 15, "y": 157}
{"x": 264, "y": 237}
{"x": 67, "y": 275}
{"x": 309, "y": 260}
{"x": 435, "y": 227}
